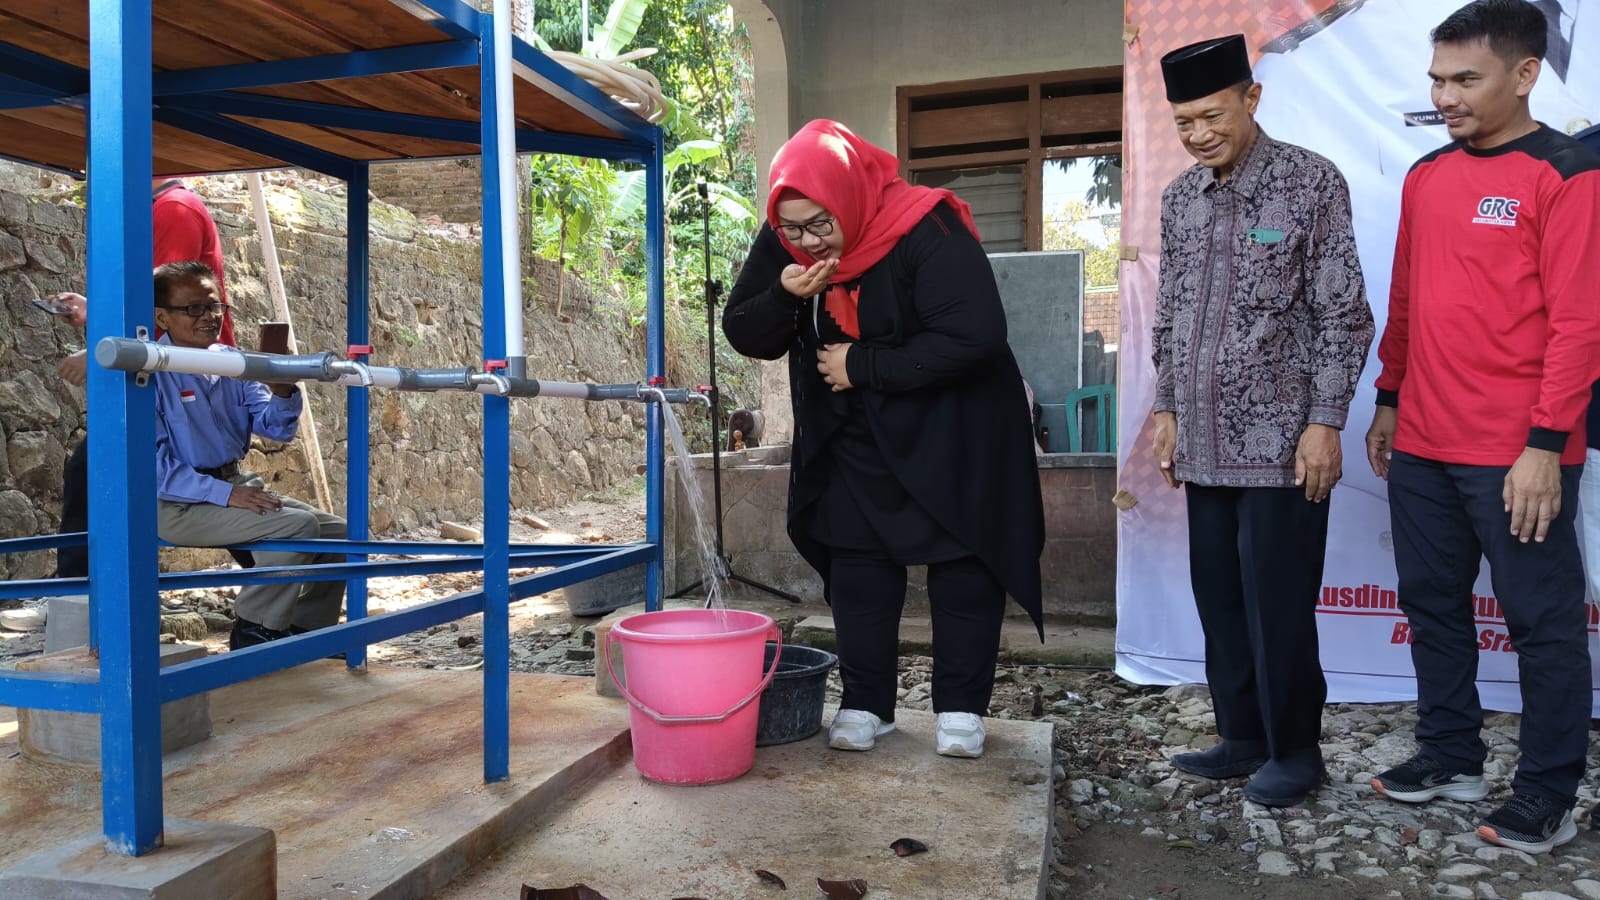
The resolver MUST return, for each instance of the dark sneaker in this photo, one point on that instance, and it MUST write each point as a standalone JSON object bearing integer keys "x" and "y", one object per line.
{"x": 248, "y": 634}
{"x": 1228, "y": 759}
{"x": 1530, "y": 823}
{"x": 1420, "y": 779}
{"x": 1287, "y": 781}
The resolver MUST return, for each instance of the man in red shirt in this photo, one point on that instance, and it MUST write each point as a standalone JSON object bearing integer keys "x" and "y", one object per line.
{"x": 1492, "y": 343}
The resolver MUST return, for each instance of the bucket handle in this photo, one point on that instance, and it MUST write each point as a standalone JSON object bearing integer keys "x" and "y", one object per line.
{"x": 774, "y": 634}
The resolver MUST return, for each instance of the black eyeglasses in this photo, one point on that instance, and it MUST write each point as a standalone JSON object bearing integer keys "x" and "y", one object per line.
{"x": 196, "y": 310}
{"x": 820, "y": 228}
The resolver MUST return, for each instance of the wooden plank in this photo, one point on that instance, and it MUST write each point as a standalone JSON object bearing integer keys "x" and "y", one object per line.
{"x": 1078, "y": 151}
{"x": 366, "y": 23}
{"x": 372, "y": 146}
{"x": 1033, "y": 180}
{"x": 962, "y": 125}
{"x": 30, "y": 35}
{"x": 23, "y": 139}
{"x": 969, "y": 160}
{"x": 328, "y": 140}
{"x": 175, "y": 151}
{"x": 1083, "y": 114}
{"x": 998, "y": 82}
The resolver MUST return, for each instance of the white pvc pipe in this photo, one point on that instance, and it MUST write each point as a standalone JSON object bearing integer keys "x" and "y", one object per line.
{"x": 510, "y": 234}
{"x": 128, "y": 355}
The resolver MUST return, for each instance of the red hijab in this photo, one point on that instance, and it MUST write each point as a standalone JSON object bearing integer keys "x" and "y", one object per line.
{"x": 859, "y": 184}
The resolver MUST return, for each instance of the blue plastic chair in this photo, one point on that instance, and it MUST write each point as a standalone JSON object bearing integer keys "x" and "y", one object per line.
{"x": 1104, "y": 397}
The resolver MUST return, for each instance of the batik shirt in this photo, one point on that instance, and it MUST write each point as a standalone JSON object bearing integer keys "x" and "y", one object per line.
{"x": 1262, "y": 324}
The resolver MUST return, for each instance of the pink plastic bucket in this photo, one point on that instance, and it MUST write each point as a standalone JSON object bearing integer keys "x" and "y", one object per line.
{"x": 693, "y": 678}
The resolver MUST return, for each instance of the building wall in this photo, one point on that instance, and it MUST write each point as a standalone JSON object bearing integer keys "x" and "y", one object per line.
{"x": 848, "y": 56}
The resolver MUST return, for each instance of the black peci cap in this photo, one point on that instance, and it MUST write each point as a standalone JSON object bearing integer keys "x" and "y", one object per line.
{"x": 1201, "y": 69}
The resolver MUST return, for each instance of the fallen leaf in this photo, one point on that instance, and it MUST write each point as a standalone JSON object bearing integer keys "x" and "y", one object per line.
{"x": 770, "y": 878}
{"x": 576, "y": 892}
{"x": 854, "y": 889}
{"x": 1184, "y": 844}
{"x": 1408, "y": 836}
{"x": 908, "y": 846}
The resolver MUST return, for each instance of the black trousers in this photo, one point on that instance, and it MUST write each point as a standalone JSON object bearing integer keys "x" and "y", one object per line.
{"x": 1446, "y": 519}
{"x": 73, "y": 562}
{"x": 868, "y": 592}
{"x": 1255, "y": 562}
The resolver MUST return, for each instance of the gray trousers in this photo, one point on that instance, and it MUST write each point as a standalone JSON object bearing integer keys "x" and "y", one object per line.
{"x": 309, "y": 606}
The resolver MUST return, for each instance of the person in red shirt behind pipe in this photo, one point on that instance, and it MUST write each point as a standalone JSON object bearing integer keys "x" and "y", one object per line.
{"x": 1492, "y": 343}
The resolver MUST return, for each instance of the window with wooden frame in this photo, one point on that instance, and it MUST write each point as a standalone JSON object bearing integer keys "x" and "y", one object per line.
{"x": 1018, "y": 148}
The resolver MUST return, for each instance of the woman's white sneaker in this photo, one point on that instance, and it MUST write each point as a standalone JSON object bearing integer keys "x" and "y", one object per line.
{"x": 856, "y": 729}
{"x": 960, "y": 734}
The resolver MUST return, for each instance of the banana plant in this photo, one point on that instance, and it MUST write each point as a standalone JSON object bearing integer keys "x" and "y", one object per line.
{"x": 630, "y": 190}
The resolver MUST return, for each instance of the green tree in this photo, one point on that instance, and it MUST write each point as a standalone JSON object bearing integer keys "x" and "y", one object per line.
{"x": 1101, "y": 258}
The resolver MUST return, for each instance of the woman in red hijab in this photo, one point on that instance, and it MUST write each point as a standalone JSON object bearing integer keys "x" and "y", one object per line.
{"x": 912, "y": 444}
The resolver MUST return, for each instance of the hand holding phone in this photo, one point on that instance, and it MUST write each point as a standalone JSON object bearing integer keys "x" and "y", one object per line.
{"x": 55, "y": 306}
{"x": 67, "y": 305}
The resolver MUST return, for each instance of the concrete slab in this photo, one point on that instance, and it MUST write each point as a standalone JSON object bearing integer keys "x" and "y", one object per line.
{"x": 372, "y": 782}
{"x": 804, "y": 812}
{"x": 199, "y": 859}
{"x": 1064, "y": 644}
{"x": 67, "y": 737}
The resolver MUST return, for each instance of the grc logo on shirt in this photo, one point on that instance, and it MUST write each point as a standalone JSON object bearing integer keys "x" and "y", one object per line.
{"x": 1497, "y": 211}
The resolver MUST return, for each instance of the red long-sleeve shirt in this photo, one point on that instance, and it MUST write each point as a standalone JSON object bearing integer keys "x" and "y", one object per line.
{"x": 1493, "y": 338}
{"x": 184, "y": 230}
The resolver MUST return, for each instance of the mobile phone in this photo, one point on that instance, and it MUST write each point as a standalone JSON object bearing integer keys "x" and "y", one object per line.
{"x": 54, "y": 306}
{"x": 274, "y": 338}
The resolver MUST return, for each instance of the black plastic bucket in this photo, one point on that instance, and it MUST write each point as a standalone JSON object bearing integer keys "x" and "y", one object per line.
{"x": 791, "y": 706}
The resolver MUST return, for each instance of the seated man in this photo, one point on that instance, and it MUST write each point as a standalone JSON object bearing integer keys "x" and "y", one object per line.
{"x": 203, "y": 428}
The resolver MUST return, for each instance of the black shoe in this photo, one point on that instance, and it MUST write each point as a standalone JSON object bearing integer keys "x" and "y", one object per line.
{"x": 1421, "y": 778}
{"x": 1530, "y": 823}
{"x": 1287, "y": 781}
{"x": 248, "y": 634}
{"x": 1228, "y": 759}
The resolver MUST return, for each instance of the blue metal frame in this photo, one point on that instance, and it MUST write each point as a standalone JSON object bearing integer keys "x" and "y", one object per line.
{"x": 122, "y": 557}
{"x": 496, "y": 430}
{"x": 123, "y": 581}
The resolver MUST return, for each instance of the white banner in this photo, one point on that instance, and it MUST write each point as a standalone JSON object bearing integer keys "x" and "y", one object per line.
{"x": 1348, "y": 80}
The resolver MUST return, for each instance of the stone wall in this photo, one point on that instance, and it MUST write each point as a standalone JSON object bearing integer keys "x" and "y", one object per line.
{"x": 426, "y": 448}
{"x": 1078, "y": 566}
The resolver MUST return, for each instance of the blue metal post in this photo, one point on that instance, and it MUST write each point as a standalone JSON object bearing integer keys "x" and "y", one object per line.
{"x": 122, "y": 559}
{"x": 496, "y": 435}
{"x": 358, "y": 450}
{"x": 655, "y": 207}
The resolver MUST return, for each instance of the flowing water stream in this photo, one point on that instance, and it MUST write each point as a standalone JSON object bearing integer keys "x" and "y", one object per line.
{"x": 714, "y": 570}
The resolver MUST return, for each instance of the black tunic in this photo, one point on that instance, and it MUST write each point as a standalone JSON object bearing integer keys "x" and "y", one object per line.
{"x": 930, "y": 455}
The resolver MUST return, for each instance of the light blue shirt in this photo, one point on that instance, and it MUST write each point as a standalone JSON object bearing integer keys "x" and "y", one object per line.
{"x": 205, "y": 422}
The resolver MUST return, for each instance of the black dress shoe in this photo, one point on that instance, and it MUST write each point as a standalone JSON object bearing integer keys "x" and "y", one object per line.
{"x": 1289, "y": 780}
{"x": 248, "y": 634}
{"x": 1228, "y": 759}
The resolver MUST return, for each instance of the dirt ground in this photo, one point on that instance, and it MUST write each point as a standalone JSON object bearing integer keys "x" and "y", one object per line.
{"x": 1192, "y": 847}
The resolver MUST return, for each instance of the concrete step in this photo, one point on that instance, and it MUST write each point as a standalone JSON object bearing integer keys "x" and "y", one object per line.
{"x": 1071, "y": 645}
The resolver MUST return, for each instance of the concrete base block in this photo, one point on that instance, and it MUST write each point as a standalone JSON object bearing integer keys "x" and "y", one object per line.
{"x": 197, "y": 859}
{"x": 67, "y": 623}
{"x": 66, "y": 737}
